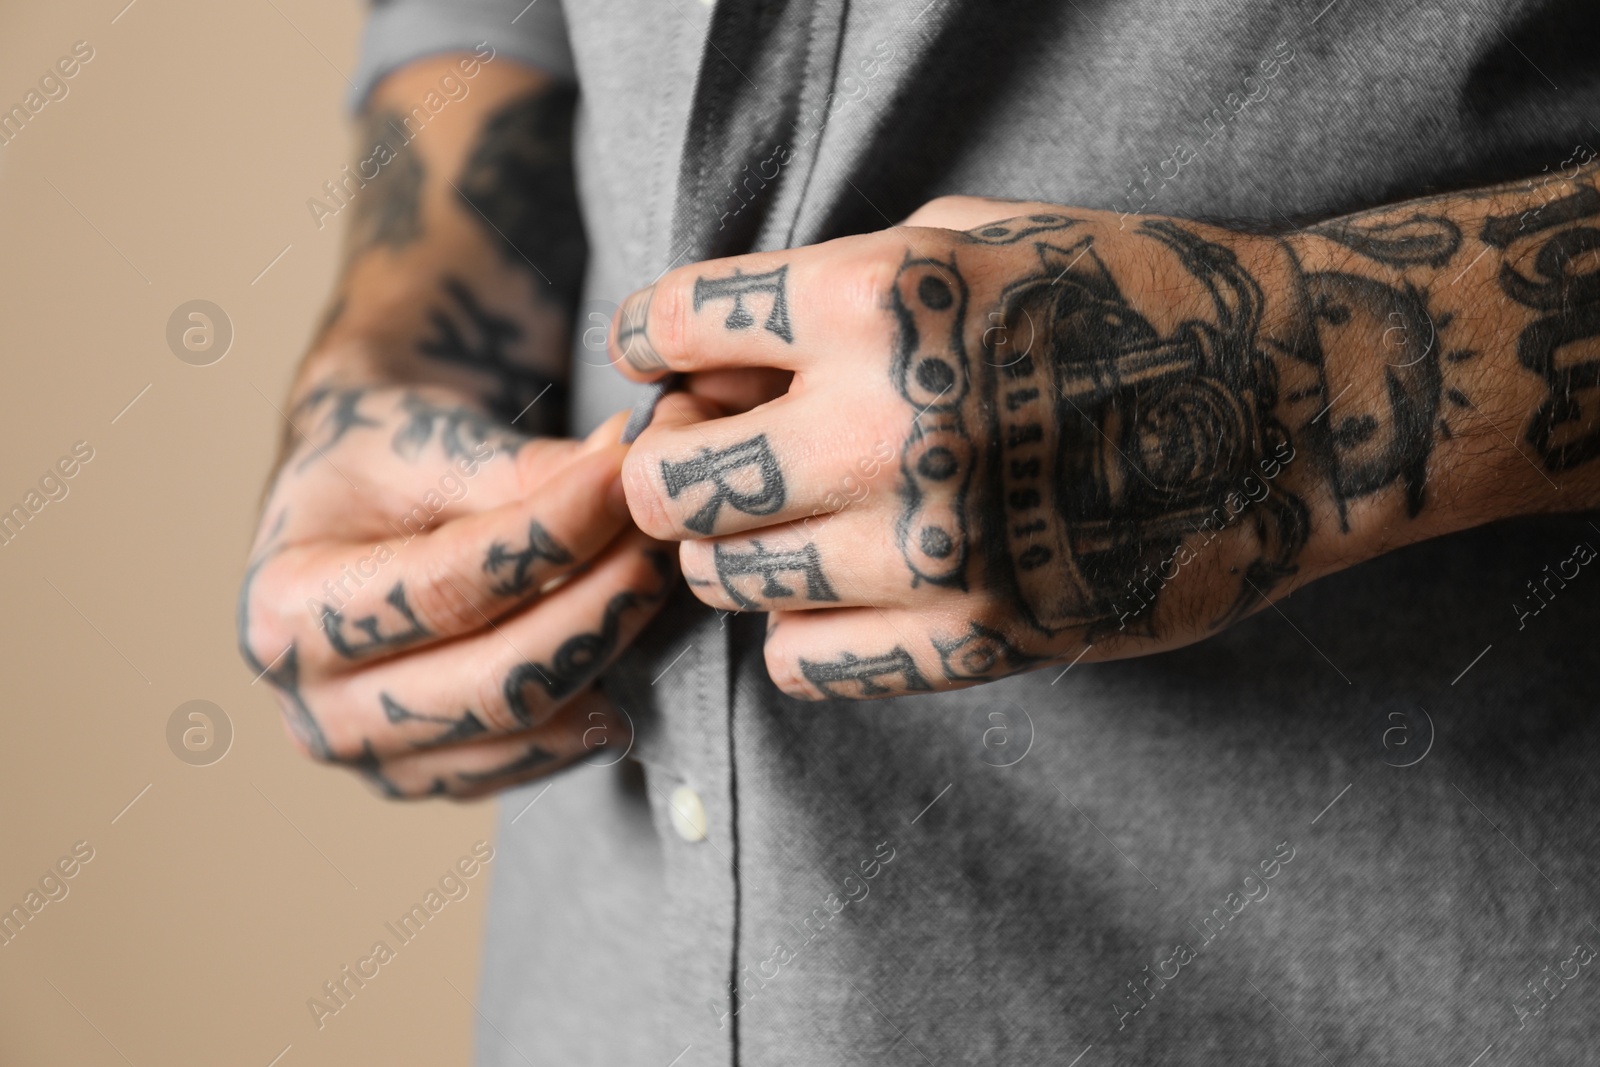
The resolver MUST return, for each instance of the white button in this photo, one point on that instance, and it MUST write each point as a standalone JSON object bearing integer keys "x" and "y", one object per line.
{"x": 688, "y": 814}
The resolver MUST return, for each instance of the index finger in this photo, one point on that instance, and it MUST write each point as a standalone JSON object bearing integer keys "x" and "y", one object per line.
{"x": 769, "y": 309}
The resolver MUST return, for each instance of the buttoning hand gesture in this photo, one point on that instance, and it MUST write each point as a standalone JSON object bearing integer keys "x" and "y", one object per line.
{"x": 1023, "y": 434}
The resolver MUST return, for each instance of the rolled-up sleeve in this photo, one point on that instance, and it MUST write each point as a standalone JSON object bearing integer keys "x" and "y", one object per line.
{"x": 400, "y": 31}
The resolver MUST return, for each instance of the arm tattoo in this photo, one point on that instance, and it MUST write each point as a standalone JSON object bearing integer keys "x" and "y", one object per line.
{"x": 541, "y": 546}
{"x": 718, "y": 466}
{"x": 1419, "y": 240}
{"x": 463, "y": 728}
{"x": 519, "y": 183}
{"x": 773, "y": 284}
{"x": 855, "y": 676}
{"x": 368, "y": 639}
{"x": 767, "y": 565}
{"x": 470, "y": 336}
{"x": 1557, "y": 277}
{"x": 387, "y": 210}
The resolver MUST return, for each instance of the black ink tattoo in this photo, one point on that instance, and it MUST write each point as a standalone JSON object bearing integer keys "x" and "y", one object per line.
{"x": 767, "y": 565}
{"x": 1563, "y": 286}
{"x": 342, "y": 417}
{"x": 738, "y": 288}
{"x": 470, "y": 336}
{"x": 369, "y": 639}
{"x": 387, "y": 211}
{"x": 541, "y": 546}
{"x": 1109, "y": 442}
{"x": 981, "y": 654}
{"x": 579, "y": 658}
{"x": 519, "y": 183}
{"x": 1011, "y": 231}
{"x": 1418, "y": 240}
{"x": 1366, "y": 443}
{"x": 856, "y": 676}
{"x": 464, "y": 727}
{"x": 730, "y": 471}
{"x": 462, "y": 432}
{"x": 930, "y": 372}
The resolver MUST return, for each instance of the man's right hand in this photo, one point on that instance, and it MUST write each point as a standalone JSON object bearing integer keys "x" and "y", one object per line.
{"x": 432, "y": 595}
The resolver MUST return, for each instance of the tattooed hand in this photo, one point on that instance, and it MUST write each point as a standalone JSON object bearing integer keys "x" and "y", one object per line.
{"x": 1022, "y": 434}
{"x": 432, "y": 595}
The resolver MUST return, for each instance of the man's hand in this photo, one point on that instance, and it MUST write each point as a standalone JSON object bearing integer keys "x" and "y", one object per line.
{"x": 432, "y": 595}
{"x": 1021, "y": 434}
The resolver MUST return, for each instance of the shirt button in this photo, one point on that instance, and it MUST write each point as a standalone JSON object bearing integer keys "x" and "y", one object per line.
{"x": 688, "y": 814}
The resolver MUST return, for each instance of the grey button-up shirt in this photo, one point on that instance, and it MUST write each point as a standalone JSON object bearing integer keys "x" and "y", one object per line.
{"x": 1358, "y": 828}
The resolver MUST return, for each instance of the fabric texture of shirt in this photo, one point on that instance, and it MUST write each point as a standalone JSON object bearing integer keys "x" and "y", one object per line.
{"x": 1006, "y": 874}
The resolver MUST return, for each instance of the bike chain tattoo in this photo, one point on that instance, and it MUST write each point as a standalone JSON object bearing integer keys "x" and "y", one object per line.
{"x": 737, "y": 288}
{"x": 767, "y": 565}
{"x": 719, "y": 466}
{"x": 541, "y": 546}
{"x": 370, "y": 639}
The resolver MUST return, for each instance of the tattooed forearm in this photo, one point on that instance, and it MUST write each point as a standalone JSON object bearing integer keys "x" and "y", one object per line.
{"x": 719, "y": 467}
{"x": 771, "y": 286}
{"x": 368, "y": 638}
{"x": 468, "y": 335}
{"x": 1553, "y": 269}
{"x": 519, "y": 184}
{"x": 519, "y": 564}
{"x": 387, "y": 209}
{"x": 733, "y": 567}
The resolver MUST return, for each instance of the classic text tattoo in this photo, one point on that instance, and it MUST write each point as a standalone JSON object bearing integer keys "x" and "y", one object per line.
{"x": 766, "y": 565}
{"x": 744, "y": 476}
{"x": 740, "y": 287}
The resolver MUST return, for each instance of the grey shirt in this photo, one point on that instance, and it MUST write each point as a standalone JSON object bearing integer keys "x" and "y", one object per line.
{"x": 1356, "y": 828}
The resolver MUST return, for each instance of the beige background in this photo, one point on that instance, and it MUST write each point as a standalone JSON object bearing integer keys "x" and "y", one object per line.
{"x": 224, "y": 897}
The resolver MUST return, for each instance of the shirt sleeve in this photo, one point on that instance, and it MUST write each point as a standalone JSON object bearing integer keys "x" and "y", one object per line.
{"x": 401, "y": 31}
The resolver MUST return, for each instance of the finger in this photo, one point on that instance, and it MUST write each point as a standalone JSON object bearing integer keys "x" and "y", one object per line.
{"x": 587, "y": 728}
{"x": 973, "y": 213}
{"x": 862, "y": 653}
{"x": 347, "y": 604}
{"x": 770, "y": 309}
{"x": 850, "y": 558}
{"x": 510, "y": 677}
{"x": 687, "y": 478}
